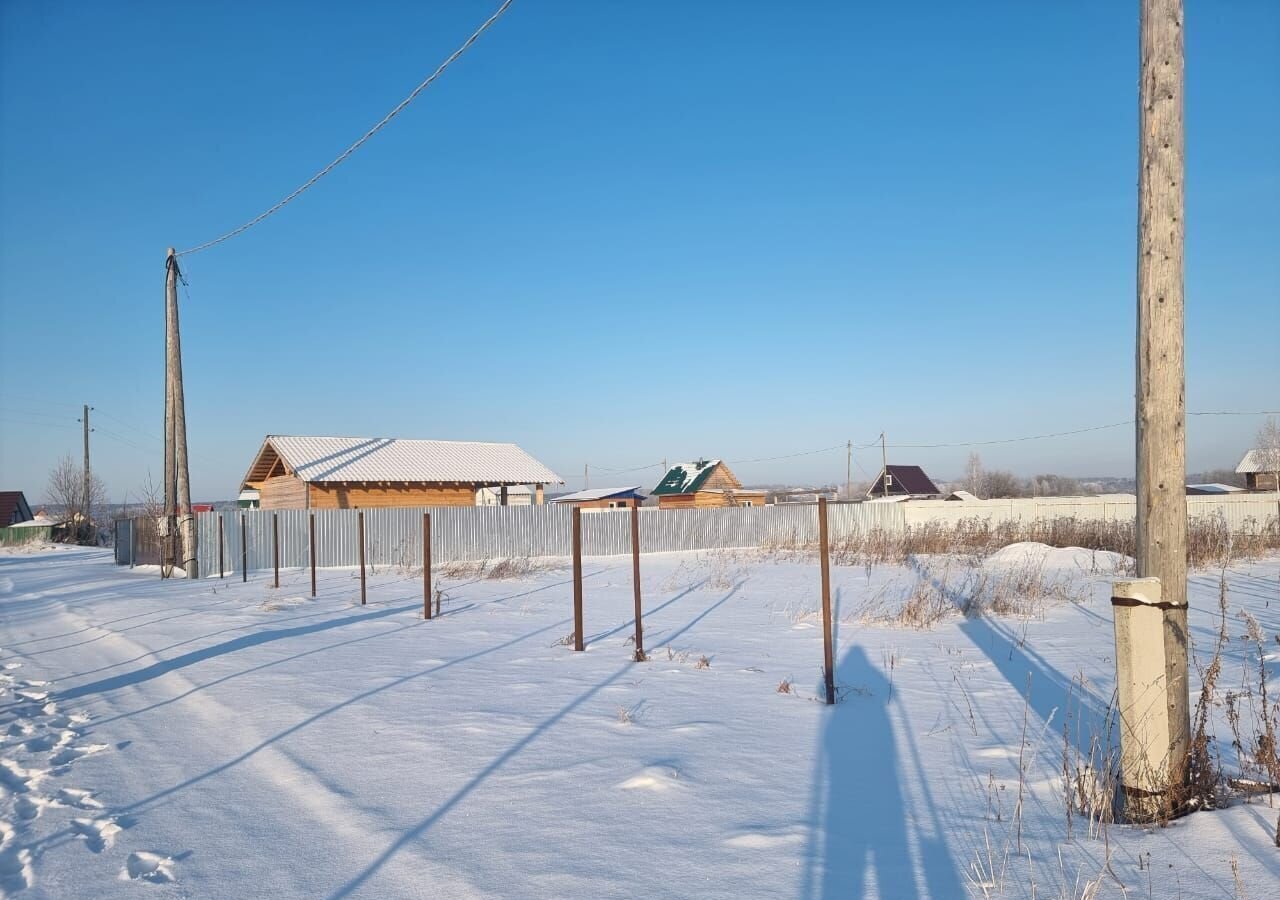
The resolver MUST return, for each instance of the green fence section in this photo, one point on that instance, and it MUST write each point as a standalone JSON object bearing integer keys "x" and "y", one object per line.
{"x": 33, "y": 535}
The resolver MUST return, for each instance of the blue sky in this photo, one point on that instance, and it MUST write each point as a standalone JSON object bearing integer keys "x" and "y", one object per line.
{"x": 618, "y": 232}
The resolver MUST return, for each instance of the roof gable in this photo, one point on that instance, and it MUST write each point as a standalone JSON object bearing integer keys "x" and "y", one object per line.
{"x": 599, "y": 494}
{"x": 903, "y": 480}
{"x": 686, "y": 478}
{"x": 1260, "y": 459}
{"x": 13, "y": 508}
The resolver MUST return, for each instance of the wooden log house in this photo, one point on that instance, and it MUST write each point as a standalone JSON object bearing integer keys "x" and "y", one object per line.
{"x": 702, "y": 484}
{"x": 300, "y": 472}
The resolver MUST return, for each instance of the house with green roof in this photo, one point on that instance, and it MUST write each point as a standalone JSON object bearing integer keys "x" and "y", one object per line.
{"x": 701, "y": 484}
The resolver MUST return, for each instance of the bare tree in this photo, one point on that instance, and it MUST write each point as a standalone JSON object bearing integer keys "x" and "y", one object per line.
{"x": 1268, "y": 450}
{"x": 974, "y": 477}
{"x": 67, "y": 490}
{"x": 1000, "y": 484}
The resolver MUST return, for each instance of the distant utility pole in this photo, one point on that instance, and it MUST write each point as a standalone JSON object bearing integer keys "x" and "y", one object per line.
{"x": 180, "y": 524}
{"x": 884, "y": 467}
{"x": 1161, "y": 410}
{"x": 586, "y": 476}
{"x": 848, "y": 471}
{"x": 88, "y": 494}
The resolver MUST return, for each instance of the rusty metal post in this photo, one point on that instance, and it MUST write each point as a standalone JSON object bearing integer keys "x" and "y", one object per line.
{"x": 577, "y": 578}
{"x": 828, "y": 657}
{"x": 635, "y": 578}
{"x": 221, "y": 543}
{"x": 244, "y": 549}
{"x": 360, "y": 522}
{"x": 426, "y": 565}
{"x": 311, "y": 536}
{"x": 275, "y": 546}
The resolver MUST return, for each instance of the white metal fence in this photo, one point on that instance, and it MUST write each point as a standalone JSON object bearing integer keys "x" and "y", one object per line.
{"x": 393, "y": 537}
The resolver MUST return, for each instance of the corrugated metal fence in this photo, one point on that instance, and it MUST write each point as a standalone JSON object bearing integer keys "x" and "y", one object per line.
{"x": 393, "y": 537}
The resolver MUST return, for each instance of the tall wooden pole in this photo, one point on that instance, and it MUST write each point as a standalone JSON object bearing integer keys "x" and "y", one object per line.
{"x": 88, "y": 494}
{"x": 848, "y": 471}
{"x": 1161, "y": 412}
{"x": 167, "y": 525}
{"x": 824, "y": 561}
{"x": 182, "y": 475}
{"x": 884, "y": 467}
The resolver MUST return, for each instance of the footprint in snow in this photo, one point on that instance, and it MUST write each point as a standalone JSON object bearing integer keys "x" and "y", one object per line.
{"x": 50, "y": 741}
{"x": 17, "y": 779}
{"x": 15, "y": 870}
{"x": 146, "y": 866}
{"x": 69, "y": 755}
{"x": 79, "y": 798}
{"x": 98, "y": 834}
{"x": 29, "y": 808}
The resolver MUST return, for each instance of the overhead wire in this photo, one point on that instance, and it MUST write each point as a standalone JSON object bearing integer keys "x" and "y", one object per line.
{"x": 382, "y": 123}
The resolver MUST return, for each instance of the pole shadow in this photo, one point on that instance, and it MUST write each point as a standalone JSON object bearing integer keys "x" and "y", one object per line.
{"x": 863, "y": 842}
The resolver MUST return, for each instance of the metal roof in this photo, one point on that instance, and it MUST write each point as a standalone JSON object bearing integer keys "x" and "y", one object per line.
{"x": 597, "y": 494}
{"x": 329, "y": 459}
{"x": 686, "y": 478}
{"x": 1258, "y": 460}
{"x": 904, "y": 480}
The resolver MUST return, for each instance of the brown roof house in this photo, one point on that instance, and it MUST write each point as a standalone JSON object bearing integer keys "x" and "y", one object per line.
{"x": 903, "y": 483}
{"x": 703, "y": 483}
{"x": 296, "y": 472}
{"x": 13, "y": 508}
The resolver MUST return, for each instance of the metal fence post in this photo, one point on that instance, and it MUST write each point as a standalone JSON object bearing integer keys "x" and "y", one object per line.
{"x": 426, "y": 565}
{"x": 635, "y": 578}
{"x": 221, "y": 544}
{"x": 244, "y": 549}
{"x": 311, "y": 533}
{"x": 828, "y": 656}
{"x": 577, "y": 578}
{"x": 360, "y": 529}
{"x": 275, "y": 546}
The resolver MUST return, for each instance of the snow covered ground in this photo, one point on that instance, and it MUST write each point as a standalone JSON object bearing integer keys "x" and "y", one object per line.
{"x": 217, "y": 739}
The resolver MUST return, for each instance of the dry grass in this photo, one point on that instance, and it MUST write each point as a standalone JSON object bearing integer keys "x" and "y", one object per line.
{"x": 1210, "y": 541}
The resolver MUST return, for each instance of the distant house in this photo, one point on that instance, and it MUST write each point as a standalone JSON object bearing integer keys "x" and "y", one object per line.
{"x": 1259, "y": 470}
{"x": 249, "y": 499}
{"x": 703, "y": 483}
{"x": 1215, "y": 489}
{"x": 962, "y": 496}
{"x": 603, "y": 498}
{"x": 903, "y": 482}
{"x": 13, "y": 508}
{"x": 302, "y": 472}
{"x": 517, "y": 495}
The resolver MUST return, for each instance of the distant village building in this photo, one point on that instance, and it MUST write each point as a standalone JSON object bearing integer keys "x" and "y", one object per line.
{"x": 249, "y": 499}
{"x": 703, "y": 483}
{"x": 903, "y": 483}
{"x": 603, "y": 498}
{"x": 13, "y": 508}
{"x": 1214, "y": 489}
{"x": 300, "y": 472}
{"x": 1259, "y": 470}
{"x": 962, "y": 496}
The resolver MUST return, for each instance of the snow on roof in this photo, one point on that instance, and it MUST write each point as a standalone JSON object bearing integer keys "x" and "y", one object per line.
{"x": 961, "y": 495}
{"x": 328, "y": 459}
{"x": 1258, "y": 460}
{"x": 1214, "y": 488}
{"x": 596, "y": 494}
{"x": 40, "y": 521}
{"x": 685, "y": 478}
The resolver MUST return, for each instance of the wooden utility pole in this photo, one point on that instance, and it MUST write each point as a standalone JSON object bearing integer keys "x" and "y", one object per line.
{"x": 884, "y": 467}
{"x": 848, "y": 471}
{"x": 586, "y": 476}
{"x": 1161, "y": 411}
{"x": 167, "y": 526}
{"x": 578, "y": 639}
{"x": 178, "y": 504}
{"x": 88, "y": 493}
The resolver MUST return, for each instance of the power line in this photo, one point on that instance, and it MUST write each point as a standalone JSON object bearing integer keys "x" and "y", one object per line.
{"x": 356, "y": 146}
